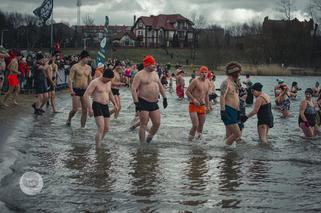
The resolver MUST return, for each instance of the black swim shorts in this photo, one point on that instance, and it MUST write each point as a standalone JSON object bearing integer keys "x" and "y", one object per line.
{"x": 79, "y": 92}
{"x": 115, "y": 91}
{"x": 100, "y": 109}
{"x": 144, "y": 105}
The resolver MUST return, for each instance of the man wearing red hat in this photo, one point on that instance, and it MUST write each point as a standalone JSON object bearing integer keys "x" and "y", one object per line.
{"x": 230, "y": 103}
{"x": 146, "y": 88}
{"x": 197, "y": 92}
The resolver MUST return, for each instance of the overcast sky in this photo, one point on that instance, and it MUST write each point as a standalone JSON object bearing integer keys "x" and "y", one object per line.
{"x": 220, "y": 12}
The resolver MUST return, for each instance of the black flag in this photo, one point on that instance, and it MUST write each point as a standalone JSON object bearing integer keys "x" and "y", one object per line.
{"x": 44, "y": 11}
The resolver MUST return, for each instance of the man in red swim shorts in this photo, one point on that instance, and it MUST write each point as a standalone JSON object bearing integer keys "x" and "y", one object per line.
{"x": 197, "y": 92}
{"x": 180, "y": 83}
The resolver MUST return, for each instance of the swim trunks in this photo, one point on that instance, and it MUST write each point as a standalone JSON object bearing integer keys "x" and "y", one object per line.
{"x": 13, "y": 80}
{"x": 79, "y": 92}
{"x": 201, "y": 110}
{"x": 115, "y": 91}
{"x": 233, "y": 116}
{"x": 144, "y": 105}
{"x": 179, "y": 91}
{"x": 100, "y": 109}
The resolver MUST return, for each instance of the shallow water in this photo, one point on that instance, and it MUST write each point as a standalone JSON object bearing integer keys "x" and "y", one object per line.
{"x": 170, "y": 174}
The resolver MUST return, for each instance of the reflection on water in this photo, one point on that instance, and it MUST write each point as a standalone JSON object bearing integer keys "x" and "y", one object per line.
{"x": 196, "y": 172}
{"x": 230, "y": 175}
{"x": 144, "y": 173}
{"x": 169, "y": 175}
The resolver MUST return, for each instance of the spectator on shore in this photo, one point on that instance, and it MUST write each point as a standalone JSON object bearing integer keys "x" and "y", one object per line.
{"x": 24, "y": 69}
{"x": 13, "y": 68}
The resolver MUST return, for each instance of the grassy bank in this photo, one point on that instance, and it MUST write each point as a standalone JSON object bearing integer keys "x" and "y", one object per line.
{"x": 183, "y": 57}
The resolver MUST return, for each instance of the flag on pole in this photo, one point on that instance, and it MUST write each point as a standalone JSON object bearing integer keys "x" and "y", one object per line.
{"x": 44, "y": 11}
{"x": 101, "y": 55}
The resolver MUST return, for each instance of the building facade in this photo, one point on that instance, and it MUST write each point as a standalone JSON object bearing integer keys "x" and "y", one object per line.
{"x": 164, "y": 31}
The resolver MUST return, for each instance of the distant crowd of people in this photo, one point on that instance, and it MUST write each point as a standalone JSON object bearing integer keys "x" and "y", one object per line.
{"x": 147, "y": 82}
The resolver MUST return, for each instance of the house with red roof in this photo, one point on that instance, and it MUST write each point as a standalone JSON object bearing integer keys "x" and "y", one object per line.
{"x": 164, "y": 31}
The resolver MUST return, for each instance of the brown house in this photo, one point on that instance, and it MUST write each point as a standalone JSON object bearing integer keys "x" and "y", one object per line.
{"x": 164, "y": 31}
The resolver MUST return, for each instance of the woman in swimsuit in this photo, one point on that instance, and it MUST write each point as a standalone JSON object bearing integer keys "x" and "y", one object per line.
{"x": 308, "y": 113}
{"x": 263, "y": 110}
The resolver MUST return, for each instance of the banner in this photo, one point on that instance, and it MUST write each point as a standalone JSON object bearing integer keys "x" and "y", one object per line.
{"x": 44, "y": 11}
{"x": 101, "y": 55}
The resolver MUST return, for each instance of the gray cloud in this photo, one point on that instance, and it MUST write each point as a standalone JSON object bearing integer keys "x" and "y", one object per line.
{"x": 222, "y": 12}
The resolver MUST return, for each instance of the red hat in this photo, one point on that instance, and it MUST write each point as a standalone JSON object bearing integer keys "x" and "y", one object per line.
{"x": 149, "y": 60}
{"x": 203, "y": 69}
{"x": 210, "y": 75}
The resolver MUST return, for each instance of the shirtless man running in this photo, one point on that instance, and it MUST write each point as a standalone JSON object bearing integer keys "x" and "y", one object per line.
{"x": 115, "y": 85}
{"x": 230, "y": 103}
{"x": 197, "y": 92}
{"x": 100, "y": 90}
{"x": 145, "y": 91}
{"x": 79, "y": 78}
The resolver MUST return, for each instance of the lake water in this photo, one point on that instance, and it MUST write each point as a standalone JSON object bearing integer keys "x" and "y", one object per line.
{"x": 170, "y": 174}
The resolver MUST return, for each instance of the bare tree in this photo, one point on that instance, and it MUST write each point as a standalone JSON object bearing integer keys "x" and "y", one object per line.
{"x": 198, "y": 20}
{"x": 88, "y": 20}
{"x": 314, "y": 10}
{"x": 285, "y": 8}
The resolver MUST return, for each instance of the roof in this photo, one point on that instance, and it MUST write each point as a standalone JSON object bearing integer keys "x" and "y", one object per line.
{"x": 162, "y": 21}
{"x": 122, "y": 34}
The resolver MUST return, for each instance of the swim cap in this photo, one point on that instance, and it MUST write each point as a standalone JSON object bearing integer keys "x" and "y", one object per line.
{"x": 210, "y": 75}
{"x": 149, "y": 60}
{"x": 309, "y": 90}
{"x": 83, "y": 54}
{"x": 203, "y": 69}
{"x": 257, "y": 87}
{"x": 280, "y": 81}
{"x": 39, "y": 56}
{"x": 233, "y": 67}
{"x": 108, "y": 73}
{"x": 100, "y": 65}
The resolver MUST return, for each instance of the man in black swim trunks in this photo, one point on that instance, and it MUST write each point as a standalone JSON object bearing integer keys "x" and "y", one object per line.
{"x": 79, "y": 79}
{"x": 146, "y": 88}
{"x": 115, "y": 85}
{"x": 100, "y": 89}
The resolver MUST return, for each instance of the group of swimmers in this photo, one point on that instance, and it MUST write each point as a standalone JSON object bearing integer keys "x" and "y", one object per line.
{"x": 146, "y": 88}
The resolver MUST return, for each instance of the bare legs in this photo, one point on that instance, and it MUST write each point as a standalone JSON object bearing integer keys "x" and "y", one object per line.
{"x": 144, "y": 117}
{"x": 232, "y": 133}
{"x": 102, "y": 129}
{"x": 75, "y": 106}
{"x": 198, "y": 121}
{"x": 263, "y": 132}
